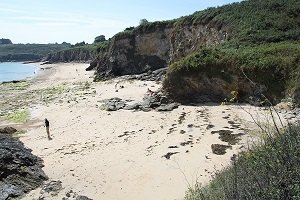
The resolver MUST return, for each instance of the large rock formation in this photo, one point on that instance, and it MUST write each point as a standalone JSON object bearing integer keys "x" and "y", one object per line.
{"x": 155, "y": 46}
{"x": 20, "y": 171}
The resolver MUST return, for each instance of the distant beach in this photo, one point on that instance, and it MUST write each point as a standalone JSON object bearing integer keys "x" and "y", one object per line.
{"x": 10, "y": 71}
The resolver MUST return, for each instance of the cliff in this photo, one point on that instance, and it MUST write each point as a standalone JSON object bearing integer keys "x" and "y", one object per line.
{"x": 155, "y": 45}
{"x": 252, "y": 38}
{"x": 76, "y": 54}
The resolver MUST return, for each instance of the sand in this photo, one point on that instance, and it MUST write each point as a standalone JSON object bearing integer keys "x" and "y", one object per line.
{"x": 124, "y": 154}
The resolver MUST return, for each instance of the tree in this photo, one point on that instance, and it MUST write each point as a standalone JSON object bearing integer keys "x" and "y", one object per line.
{"x": 100, "y": 38}
{"x": 144, "y": 21}
{"x": 5, "y": 41}
{"x": 80, "y": 44}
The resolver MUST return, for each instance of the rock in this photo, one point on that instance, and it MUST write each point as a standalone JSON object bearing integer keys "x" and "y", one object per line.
{"x": 113, "y": 104}
{"x": 134, "y": 106}
{"x": 168, "y": 107}
{"x": 8, "y": 130}
{"x": 20, "y": 171}
{"x": 52, "y": 187}
{"x": 151, "y": 101}
{"x": 80, "y": 197}
{"x": 219, "y": 149}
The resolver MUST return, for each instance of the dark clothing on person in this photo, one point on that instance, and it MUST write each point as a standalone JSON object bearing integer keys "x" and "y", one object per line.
{"x": 47, "y": 129}
{"x": 46, "y": 123}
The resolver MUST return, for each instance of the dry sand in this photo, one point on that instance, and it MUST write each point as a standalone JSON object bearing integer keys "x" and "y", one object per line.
{"x": 120, "y": 154}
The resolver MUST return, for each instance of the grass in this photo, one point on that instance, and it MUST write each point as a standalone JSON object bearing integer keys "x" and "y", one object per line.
{"x": 20, "y": 86}
{"x": 269, "y": 170}
{"x": 18, "y": 116}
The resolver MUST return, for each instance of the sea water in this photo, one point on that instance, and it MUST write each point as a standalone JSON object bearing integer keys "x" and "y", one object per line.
{"x": 10, "y": 71}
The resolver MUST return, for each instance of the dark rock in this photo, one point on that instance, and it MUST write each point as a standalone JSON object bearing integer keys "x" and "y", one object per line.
{"x": 113, "y": 104}
{"x": 80, "y": 197}
{"x": 8, "y": 130}
{"x": 169, "y": 154}
{"x": 53, "y": 188}
{"x": 134, "y": 106}
{"x": 209, "y": 126}
{"x": 168, "y": 107}
{"x": 93, "y": 65}
{"x": 156, "y": 75}
{"x": 20, "y": 171}
{"x": 151, "y": 101}
{"x": 219, "y": 149}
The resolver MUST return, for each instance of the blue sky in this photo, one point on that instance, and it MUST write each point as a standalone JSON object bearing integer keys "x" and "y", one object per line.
{"x": 49, "y": 21}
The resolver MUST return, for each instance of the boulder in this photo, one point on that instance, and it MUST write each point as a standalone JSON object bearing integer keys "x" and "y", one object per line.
{"x": 80, "y": 197}
{"x": 20, "y": 170}
{"x": 167, "y": 107}
{"x": 8, "y": 130}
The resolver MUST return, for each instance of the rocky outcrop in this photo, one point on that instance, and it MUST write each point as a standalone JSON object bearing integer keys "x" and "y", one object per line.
{"x": 20, "y": 171}
{"x": 155, "y": 46}
{"x": 71, "y": 55}
{"x": 151, "y": 101}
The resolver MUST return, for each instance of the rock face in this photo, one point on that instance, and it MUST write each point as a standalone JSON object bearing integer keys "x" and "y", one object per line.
{"x": 142, "y": 49}
{"x": 71, "y": 55}
{"x": 20, "y": 171}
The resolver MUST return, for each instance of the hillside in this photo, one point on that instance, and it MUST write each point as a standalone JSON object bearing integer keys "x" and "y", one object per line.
{"x": 82, "y": 53}
{"x": 206, "y": 51}
{"x": 28, "y": 52}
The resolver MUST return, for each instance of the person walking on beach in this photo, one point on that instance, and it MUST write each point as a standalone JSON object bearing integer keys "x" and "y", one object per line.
{"x": 47, "y": 128}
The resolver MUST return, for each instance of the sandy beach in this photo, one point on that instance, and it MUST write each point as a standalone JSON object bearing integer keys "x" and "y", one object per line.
{"x": 126, "y": 154}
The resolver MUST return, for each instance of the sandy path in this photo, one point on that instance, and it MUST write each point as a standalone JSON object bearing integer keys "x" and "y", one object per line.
{"x": 120, "y": 155}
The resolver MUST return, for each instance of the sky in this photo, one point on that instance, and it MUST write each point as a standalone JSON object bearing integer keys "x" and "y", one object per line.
{"x": 50, "y": 21}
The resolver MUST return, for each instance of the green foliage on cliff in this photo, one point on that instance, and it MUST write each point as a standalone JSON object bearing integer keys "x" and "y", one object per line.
{"x": 92, "y": 48}
{"x": 263, "y": 41}
{"x": 21, "y": 52}
{"x": 276, "y": 65}
{"x": 253, "y": 21}
{"x": 268, "y": 171}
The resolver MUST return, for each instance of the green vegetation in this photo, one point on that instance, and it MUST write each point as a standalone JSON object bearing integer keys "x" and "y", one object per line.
{"x": 253, "y": 21}
{"x": 18, "y": 116}
{"x": 100, "y": 38}
{"x": 5, "y": 41}
{"x": 264, "y": 39}
{"x": 279, "y": 60}
{"x": 91, "y": 48}
{"x": 268, "y": 171}
{"x": 127, "y": 33}
{"x": 19, "y": 86}
{"x": 23, "y": 52}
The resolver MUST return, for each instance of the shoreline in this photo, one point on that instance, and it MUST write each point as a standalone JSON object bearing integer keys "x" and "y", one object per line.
{"x": 126, "y": 154}
{"x": 37, "y": 70}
